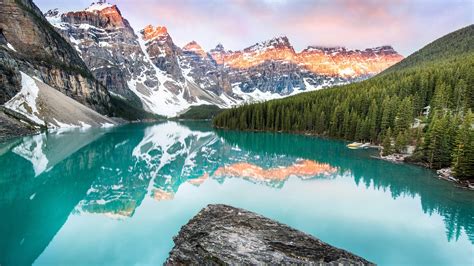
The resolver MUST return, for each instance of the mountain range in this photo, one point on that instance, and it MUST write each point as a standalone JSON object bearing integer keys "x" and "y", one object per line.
{"x": 96, "y": 57}
{"x": 167, "y": 79}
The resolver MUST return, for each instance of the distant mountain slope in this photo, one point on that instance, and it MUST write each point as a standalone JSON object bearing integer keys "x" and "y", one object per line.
{"x": 422, "y": 101}
{"x": 456, "y": 43}
{"x": 201, "y": 112}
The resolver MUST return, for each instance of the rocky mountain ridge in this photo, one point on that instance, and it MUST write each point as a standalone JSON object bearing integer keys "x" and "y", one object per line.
{"x": 148, "y": 69}
{"x": 31, "y": 45}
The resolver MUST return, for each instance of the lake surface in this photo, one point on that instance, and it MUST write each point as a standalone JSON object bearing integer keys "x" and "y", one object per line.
{"x": 117, "y": 196}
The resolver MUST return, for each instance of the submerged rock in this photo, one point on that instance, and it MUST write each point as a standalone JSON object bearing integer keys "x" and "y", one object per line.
{"x": 221, "y": 234}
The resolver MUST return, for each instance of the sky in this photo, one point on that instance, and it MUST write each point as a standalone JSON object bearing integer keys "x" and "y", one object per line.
{"x": 407, "y": 25}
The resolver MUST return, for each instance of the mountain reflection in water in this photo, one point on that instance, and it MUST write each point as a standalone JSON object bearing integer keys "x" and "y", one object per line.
{"x": 110, "y": 172}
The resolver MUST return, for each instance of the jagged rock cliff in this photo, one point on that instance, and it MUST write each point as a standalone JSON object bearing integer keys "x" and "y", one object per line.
{"x": 224, "y": 235}
{"x": 109, "y": 47}
{"x": 31, "y": 45}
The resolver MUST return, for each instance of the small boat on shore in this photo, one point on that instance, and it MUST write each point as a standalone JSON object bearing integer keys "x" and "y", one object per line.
{"x": 358, "y": 145}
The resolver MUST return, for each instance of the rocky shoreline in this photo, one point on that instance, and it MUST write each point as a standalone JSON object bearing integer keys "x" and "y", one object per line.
{"x": 223, "y": 235}
{"x": 445, "y": 173}
{"x": 14, "y": 125}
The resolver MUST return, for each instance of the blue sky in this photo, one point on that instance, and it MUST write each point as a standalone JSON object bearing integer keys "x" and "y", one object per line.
{"x": 406, "y": 25}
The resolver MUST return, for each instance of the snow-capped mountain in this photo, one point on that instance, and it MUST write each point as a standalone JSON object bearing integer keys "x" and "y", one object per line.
{"x": 108, "y": 45}
{"x": 148, "y": 69}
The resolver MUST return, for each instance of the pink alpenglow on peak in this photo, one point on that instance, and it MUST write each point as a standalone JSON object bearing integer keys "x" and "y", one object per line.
{"x": 150, "y": 33}
{"x": 195, "y": 48}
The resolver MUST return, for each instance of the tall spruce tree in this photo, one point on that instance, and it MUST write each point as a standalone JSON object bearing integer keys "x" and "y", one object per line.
{"x": 463, "y": 155}
{"x": 387, "y": 143}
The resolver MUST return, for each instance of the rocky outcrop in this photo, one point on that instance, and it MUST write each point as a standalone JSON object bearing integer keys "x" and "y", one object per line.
{"x": 34, "y": 47}
{"x": 162, "y": 51}
{"x": 221, "y": 234}
{"x": 202, "y": 69}
{"x": 13, "y": 125}
{"x": 10, "y": 79}
{"x": 187, "y": 73}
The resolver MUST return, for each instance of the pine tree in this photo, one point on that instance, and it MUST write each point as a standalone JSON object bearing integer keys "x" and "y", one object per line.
{"x": 404, "y": 115}
{"x": 463, "y": 155}
{"x": 460, "y": 95}
{"x": 372, "y": 121}
{"x": 400, "y": 142}
{"x": 438, "y": 149}
{"x": 387, "y": 143}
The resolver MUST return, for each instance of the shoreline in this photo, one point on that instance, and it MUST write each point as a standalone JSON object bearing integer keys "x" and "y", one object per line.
{"x": 443, "y": 174}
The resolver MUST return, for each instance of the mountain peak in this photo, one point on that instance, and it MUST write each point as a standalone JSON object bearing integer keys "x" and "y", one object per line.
{"x": 99, "y": 14}
{"x": 385, "y": 49}
{"x": 219, "y": 47}
{"x": 150, "y": 32}
{"x": 99, "y": 6}
{"x": 194, "y": 47}
{"x": 52, "y": 13}
{"x": 325, "y": 49}
{"x": 275, "y": 43}
{"x": 381, "y": 50}
{"x": 192, "y": 44}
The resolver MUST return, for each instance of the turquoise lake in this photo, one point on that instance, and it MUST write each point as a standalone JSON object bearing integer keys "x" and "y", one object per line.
{"x": 117, "y": 196}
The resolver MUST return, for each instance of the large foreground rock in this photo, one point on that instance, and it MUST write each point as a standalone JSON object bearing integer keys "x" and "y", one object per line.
{"x": 221, "y": 234}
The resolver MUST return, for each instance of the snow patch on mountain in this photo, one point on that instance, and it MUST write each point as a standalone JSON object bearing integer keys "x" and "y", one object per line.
{"x": 256, "y": 95}
{"x": 157, "y": 98}
{"x": 25, "y": 101}
{"x": 99, "y": 6}
{"x": 11, "y": 47}
{"x": 281, "y": 41}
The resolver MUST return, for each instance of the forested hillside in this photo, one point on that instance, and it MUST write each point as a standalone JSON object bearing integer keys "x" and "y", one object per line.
{"x": 451, "y": 45}
{"x": 201, "y": 112}
{"x": 425, "y": 100}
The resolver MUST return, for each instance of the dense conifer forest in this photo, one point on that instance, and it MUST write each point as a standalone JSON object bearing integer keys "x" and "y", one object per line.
{"x": 425, "y": 101}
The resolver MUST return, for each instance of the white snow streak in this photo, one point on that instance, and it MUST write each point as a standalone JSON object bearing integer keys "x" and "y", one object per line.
{"x": 25, "y": 101}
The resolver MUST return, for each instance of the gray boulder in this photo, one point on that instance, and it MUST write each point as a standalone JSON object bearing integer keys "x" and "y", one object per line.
{"x": 221, "y": 234}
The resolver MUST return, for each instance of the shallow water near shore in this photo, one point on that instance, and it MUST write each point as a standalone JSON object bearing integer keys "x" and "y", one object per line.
{"x": 117, "y": 196}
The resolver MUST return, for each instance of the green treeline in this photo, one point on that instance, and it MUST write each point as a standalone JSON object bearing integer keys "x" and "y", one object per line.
{"x": 427, "y": 104}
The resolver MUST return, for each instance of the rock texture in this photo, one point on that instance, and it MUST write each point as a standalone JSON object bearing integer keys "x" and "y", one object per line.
{"x": 13, "y": 125}
{"x": 221, "y": 234}
{"x": 30, "y": 44}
